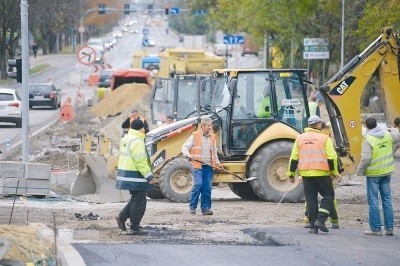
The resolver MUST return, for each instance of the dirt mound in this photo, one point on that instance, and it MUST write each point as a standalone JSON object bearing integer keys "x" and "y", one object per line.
{"x": 113, "y": 128}
{"x": 121, "y": 99}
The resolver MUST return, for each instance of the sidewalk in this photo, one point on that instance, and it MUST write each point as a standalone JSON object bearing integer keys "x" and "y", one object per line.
{"x": 49, "y": 59}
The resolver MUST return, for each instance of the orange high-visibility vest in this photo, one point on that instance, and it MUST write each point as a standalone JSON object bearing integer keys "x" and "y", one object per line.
{"x": 195, "y": 151}
{"x": 312, "y": 155}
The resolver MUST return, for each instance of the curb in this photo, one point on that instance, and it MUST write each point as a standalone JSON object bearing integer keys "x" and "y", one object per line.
{"x": 66, "y": 254}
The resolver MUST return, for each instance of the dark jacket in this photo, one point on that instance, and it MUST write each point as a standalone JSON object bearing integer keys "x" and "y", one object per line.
{"x": 127, "y": 124}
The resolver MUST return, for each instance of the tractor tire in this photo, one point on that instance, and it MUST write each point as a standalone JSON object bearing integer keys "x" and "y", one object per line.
{"x": 176, "y": 180}
{"x": 243, "y": 190}
{"x": 270, "y": 165}
{"x": 155, "y": 194}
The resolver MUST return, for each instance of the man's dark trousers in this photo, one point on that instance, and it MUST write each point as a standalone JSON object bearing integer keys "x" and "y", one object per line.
{"x": 322, "y": 185}
{"x": 135, "y": 209}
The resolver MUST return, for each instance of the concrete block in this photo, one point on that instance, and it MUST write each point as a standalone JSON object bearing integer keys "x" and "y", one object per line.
{"x": 9, "y": 186}
{"x": 39, "y": 171}
{"x": 12, "y": 169}
{"x": 38, "y": 187}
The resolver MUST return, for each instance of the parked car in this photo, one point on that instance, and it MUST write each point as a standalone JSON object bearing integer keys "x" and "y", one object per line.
{"x": 249, "y": 47}
{"x": 10, "y": 107}
{"x": 221, "y": 49}
{"x": 44, "y": 95}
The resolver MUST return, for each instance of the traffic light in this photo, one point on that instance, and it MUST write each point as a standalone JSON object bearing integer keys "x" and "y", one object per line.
{"x": 166, "y": 10}
{"x": 15, "y": 63}
{"x": 126, "y": 9}
{"x": 102, "y": 9}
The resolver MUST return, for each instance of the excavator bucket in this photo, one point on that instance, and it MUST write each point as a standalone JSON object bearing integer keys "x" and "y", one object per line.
{"x": 96, "y": 179}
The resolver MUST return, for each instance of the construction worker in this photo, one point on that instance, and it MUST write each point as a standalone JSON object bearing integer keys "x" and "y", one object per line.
{"x": 132, "y": 116}
{"x": 377, "y": 165}
{"x": 265, "y": 108}
{"x": 314, "y": 156}
{"x": 313, "y": 106}
{"x": 134, "y": 174}
{"x": 201, "y": 150}
{"x": 333, "y": 215}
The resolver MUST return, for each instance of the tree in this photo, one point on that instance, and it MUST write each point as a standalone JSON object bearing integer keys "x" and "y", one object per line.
{"x": 9, "y": 32}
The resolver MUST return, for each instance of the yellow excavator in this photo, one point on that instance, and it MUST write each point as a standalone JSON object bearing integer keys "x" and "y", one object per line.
{"x": 255, "y": 140}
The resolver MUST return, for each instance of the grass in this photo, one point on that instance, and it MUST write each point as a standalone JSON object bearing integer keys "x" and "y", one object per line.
{"x": 38, "y": 68}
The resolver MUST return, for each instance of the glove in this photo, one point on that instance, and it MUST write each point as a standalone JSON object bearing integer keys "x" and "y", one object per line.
{"x": 152, "y": 180}
{"x": 292, "y": 178}
{"x": 189, "y": 157}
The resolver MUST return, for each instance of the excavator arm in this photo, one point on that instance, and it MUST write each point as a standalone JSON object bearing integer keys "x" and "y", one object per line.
{"x": 343, "y": 93}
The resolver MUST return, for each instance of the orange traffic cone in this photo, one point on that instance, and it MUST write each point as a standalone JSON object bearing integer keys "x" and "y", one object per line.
{"x": 67, "y": 112}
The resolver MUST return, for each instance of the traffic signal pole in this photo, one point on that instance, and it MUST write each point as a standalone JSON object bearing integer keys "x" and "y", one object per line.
{"x": 25, "y": 80}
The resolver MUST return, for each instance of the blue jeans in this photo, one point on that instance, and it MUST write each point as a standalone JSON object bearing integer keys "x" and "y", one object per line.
{"x": 202, "y": 185}
{"x": 381, "y": 185}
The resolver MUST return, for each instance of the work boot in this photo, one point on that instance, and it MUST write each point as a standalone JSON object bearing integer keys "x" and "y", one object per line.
{"x": 335, "y": 226}
{"x": 192, "y": 211}
{"x": 389, "y": 232}
{"x": 121, "y": 224}
{"x": 139, "y": 231}
{"x": 208, "y": 212}
{"x": 373, "y": 233}
{"x": 313, "y": 230}
{"x": 321, "y": 226}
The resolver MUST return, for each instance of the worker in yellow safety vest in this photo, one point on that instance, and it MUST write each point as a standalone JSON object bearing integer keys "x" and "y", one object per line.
{"x": 265, "y": 108}
{"x": 377, "y": 165}
{"x": 314, "y": 156}
{"x": 134, "y": 174}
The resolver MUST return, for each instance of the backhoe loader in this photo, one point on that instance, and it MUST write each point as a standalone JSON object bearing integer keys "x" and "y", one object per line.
{"x": 254, "y": 139}
{"x": 252, "y": 145}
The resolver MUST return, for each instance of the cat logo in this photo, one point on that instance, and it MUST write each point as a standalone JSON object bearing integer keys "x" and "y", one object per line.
{"x": 342, "y": 87}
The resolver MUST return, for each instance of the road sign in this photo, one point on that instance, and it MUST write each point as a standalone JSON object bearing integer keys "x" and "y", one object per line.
{"x": 316, "y": 48}
{"x": 81, "y": 29}
{"x": 233, "y": 39}
{"x": 174, "y": 10}
{"x": 199, "y": 12}
{"x": 83, "y": 68}
{"x": 87, "y": 55}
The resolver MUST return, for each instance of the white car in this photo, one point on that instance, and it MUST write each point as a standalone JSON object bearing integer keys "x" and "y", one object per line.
{"x": 10, "y": 107}
{"x": 221, "y": 49}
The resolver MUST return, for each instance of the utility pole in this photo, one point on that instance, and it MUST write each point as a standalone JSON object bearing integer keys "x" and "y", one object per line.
{"x": 25, "y": 80}
{"x": 342, "y": 41}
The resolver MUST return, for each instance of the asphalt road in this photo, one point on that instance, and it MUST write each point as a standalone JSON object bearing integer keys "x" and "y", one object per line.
{"x": 278, "y": 246}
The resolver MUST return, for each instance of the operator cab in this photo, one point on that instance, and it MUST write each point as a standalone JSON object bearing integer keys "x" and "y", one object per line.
{"x": 249, "y": 101}
{"x": 181, "y": 96}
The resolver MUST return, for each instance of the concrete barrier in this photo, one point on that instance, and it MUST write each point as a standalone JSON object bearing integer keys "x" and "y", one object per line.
{"x": 23, "y": 178}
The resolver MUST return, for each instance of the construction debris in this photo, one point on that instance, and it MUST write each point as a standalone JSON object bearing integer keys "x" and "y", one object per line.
{"x": 89, "y": 217}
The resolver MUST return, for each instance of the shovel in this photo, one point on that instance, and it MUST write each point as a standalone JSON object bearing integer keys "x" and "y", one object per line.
{"x": 226, "y": 171}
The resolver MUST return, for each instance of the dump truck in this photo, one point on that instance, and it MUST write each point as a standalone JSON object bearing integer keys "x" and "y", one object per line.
{"x": 185, "y": 61}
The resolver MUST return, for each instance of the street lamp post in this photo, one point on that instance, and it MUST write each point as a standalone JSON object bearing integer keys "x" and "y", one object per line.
{"x": 81, "y": 24}
{"x": 342, "y": 39}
